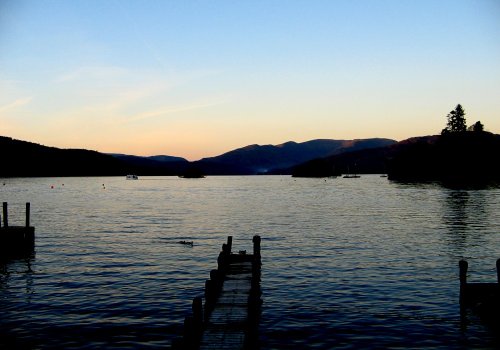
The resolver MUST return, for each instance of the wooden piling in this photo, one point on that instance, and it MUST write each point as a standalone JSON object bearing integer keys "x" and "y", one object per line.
{"x": 498, "y": 271}
{"x": 28, "y": 206}
{"x": 5, "y": 215}
{"x": 16, "y": 241}
{"x": 484, "y": 298}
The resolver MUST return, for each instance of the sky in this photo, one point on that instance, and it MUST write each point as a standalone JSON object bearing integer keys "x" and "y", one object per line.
{"x": 199, "y": 78}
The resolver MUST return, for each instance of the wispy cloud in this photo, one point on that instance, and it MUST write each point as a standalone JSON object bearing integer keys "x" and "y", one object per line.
{"x": 171, "y": 110}
{"x": 17, "y": 103}
{"x": 98, "y": 72}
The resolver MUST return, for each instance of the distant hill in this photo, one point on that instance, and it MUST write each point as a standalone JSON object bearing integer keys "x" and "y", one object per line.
{"x": 151, "y": 160}
{"x": 255, "y": 159}
{"x": 167, "y": 159}
{"x": 21, "y": 158}
{"x": 370, "y": 160}
{"x": 27, "y": 159}
{"x": 154, "y": 165}
{"x": 145, "y": 160}
{"x": 462, "y": 158}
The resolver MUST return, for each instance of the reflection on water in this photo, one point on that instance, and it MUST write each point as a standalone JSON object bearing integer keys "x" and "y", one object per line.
{"x": 346, "y": 264}
{"x": 465, "y": 213}
{"x": 456, "y": 214}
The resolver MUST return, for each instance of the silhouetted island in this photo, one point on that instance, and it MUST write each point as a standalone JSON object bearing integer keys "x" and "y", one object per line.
{"x": 455, "y": 158}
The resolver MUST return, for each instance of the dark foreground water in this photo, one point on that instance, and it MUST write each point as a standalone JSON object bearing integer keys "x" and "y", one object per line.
{"x": 347, "y": 263}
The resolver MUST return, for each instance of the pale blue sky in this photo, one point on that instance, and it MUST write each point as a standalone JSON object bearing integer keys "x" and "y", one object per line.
{"x": 198, "y": 78}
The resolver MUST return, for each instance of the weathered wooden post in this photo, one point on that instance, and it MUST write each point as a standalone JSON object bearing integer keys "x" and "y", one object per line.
{"x": 498, "y": 272}
{"x": 28, "y": 214}
{"x": 197, "y": 318}
{"x": 463, "y": 265}
{"x": 210, "y": 297}
{"x": 256, "y": 262}
{"x": 188, "y": 333}
{"x": 5, "y": 215}
{"x": 216, "y": 277}
{"x": 230, "y": 243}
{"x": 256, "y": 246}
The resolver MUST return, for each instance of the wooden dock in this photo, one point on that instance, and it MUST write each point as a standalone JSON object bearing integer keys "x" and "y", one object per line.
{"x": 483, "y": 298}
{"x": 229, "y": 317}
{"x": 16, "y": 241}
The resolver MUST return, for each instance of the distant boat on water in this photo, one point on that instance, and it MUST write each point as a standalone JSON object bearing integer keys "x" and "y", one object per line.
{"x": 132, "y": 177}
{"x": 350, "y": 176}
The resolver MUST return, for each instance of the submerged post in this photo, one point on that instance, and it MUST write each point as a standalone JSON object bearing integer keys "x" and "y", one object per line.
{"x": 5, "y": 215}
{"x": 28, "y": 214}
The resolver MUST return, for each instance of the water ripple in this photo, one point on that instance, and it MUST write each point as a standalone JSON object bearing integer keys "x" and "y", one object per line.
{"x": 346, "y": 264}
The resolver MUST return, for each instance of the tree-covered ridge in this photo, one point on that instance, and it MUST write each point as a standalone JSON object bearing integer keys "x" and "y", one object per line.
{"x": 460, "y": 155}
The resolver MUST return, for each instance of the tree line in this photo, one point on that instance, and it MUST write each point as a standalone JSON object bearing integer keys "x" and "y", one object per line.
{"x": 457, "y": 123}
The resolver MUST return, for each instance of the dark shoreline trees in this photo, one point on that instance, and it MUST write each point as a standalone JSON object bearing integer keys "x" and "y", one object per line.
{"x": 456, "y": 121}
{"x": 459, "y": 155}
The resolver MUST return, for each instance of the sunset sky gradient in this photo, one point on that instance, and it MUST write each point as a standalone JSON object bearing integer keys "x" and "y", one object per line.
{"x": 199, "y": 78}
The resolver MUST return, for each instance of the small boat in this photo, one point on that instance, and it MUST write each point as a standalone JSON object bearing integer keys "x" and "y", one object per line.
{"x": 132, "y": 177}
{"x": 350, "y": 176}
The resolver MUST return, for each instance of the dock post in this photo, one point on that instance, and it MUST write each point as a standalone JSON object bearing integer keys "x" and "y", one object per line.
{"x": 230, "y": 243}
{"x": 210, "y": 297}
{"x": 28, "y": 214}
{"x": 197, "y": 318}
{"x": 188, "y": 340}
{"x": 498, "y": 271}
{"x": 5, "y": 215}
{"x": 463, "y": 265}
{"x": 256, "y": 246}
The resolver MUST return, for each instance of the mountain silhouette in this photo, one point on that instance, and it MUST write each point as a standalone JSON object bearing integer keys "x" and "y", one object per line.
{"x": 467, "y": 157}
{"x": 257, "y": 159}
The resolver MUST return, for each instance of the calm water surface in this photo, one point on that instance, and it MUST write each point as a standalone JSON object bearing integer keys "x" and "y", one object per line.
{"x": 347, "y": 263}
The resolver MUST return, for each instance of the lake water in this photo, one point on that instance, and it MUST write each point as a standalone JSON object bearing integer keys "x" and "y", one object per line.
{"x": 347, "y": 263}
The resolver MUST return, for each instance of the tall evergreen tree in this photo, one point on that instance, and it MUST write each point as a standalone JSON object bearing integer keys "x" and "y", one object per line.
{"x": 456, "y": 120}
